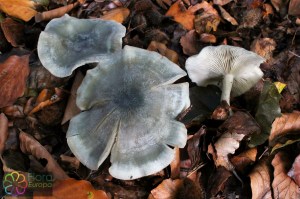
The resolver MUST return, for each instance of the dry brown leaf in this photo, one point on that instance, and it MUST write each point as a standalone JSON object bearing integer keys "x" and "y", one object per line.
{"x": 175, "y": 164}
{"x": 73, "y": 161}
{"x": 13, "y": 111}
{"x": 3, "y": 132}
{"x": 72, "y": 109}
{"x": 31, "y": 146}
{"x": 189, "y": 43}
{"x": 21, "y": 9}
{"x": 218, "y": 180}
{"x": 286, "y": 124}
{"x": 182, "y": 15}
{"x": 208, "y": 38}
{"x": 264, "y": 47}
{"x": 13, "y": 76}
{"x": 235, "y": 128}
{"x": 260, "y": 181}
{"x": 227, "y": 16}
{"x": 221, "y": 2}
{"x": 244, "y": 159}
{"x": 251, "y": 18}
{"x": 168, "y": 189}
{"x": 72, "y": 189}
{"x": 13, "y": 31}
{"x": 118, "y": 15}
{"x": 194, "y": 147}
{"x": 295, "y": 171}
{"x": 55, "y": 13}
{"x": 294, "y": 8}
{"x": 163, "y": 50}
{"x": 283, "y": 186}
{"x": 208, "y": 20}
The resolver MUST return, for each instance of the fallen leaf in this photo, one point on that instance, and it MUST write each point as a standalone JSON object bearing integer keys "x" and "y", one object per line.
{"x": 175, "y": 164}
{"x": 234, "y": 129}
{"x": 268, "y": 109}
{"x": 208, "y": 20}
{"x": 218, "y": 180}
{"x": 283, "y": 186}
{"x": 268, "y": 10}
{"x": 227, "y": 16}
{"x": 190, "y": 43}
{"x": 260, "y": 181}
{"x": 293, "y": 81}
{"x": 13, "y": 31}
{"x": 163, "y": 50}
{"x": 282, "y": 145}
{"x": 190, "y": 189}
{"x": 202, "y": 105}
{"x": 280, "y": 86}
{"x": 288, "y": 123}
{"x": 221, "y": 2}
{"x": 294, "y": 172}
{"x": 168, "y": 189}
{"x": 21, "y": 9}
{"x": 208, "y": 38}
{"x": 244, "y": 159}
{"x": 263, "y": 47}
{"x": 251, "y": 18}
{"x": 72, "y": 109}
{"x": 73, "y": 161}
{"x": 194, "y": 147}
{"x": 3, "y": 132}
{"x": 31, "y": 146}
{"x": 118, "y": 15}
{"x": 13, "y": 76}
{"x": 182, "y": 15}
{"x": 71, "y": 188}
{"x": 279, "y": 4}
{"x": 15, "y": 111}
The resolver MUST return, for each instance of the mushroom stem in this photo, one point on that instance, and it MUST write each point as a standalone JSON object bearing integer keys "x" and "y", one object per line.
{"x": 226, "y": 88}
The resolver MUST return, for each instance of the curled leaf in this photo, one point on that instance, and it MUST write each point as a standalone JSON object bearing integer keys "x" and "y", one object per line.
{"x": 13, "y": 75}
{"x": 31, "y": 146}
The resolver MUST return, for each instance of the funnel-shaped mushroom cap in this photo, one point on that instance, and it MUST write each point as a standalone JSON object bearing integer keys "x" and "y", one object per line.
{"x": 68, "y": 42}
{"x": 212, "y": 64}
{"x": 129, "y": 108}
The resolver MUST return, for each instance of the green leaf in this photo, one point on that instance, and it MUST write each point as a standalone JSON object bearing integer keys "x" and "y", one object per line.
{"x": 287, "y": 143}
{"x": 204, "y": 100}
{"x": 268, "y": 109}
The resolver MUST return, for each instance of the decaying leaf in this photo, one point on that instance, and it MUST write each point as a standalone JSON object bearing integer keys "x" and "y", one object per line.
{"x": 264, "y": 47}
{"x": 168, "y": 189}
{"x": 282, "y": 145}
{"x": 194, "y": 147}
{"x": 283, "y": 186}
{"x": 235, "y": 128}
{"x": 13, "y": 31}
{"x": 190, "y": 44}
{"x": 13, "y": 75}
{"x": 227, "y": 16}
{"x": 260, "y": 181}
{"x": 31, "y": 146}
{"x": 288, "y": 123}
{"x": 72, "y": 109}
{"x": 208, "y": 38}
{"x": 71, "y": 188}
{"x": 182, "y": 15}
{"x": 22, "y": 9}
{"x": 221, "y": 2}
{"x": 218, "y": 180}
{"x": 175, "y": 164}
{"x": 244, "y": 159}
{"x": 251, "y": 18}
{"x": 73, "y": 161}
{"x": 268, "y": 109}
{"x": 294, "y": 8}
{"x": 208, "y": 20}
{"x": 118, "y": 15}
{"x": 163, "y": 50}
{"x": 294, "y": 172}
{"x": 3, "y": 132}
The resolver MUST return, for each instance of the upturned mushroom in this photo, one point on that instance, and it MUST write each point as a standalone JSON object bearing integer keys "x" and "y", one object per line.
{"x": 233, "y": 69}
{"x": 129, "y": 107}
{"x": 68, "y": 42}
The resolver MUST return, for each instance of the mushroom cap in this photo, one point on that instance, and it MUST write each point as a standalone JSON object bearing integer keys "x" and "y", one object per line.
{"x": 68, "y": 42}
{"x": 214, "y": 62}
{"x": 129, "y": 105}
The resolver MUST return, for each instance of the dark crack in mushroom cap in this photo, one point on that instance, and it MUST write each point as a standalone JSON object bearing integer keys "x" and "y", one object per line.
{"x": 129, "y": 105}
{"x": 68, "y": 42}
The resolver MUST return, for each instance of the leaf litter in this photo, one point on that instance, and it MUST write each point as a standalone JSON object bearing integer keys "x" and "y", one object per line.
{"x": 263, "y": 118}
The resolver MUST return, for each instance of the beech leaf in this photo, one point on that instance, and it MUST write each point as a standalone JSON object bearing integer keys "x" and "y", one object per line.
{"x": 13, "y": 74}
{"x": 260, "y": 181}
{"x": 31, "y": 146}
{"x": 268, "y": 109}
{"x": 22, "y": 9}
{"x": 288, "y": 123}
{"x": 283, "y": 185}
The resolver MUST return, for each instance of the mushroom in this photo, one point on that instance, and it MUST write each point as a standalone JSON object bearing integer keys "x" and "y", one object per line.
{"x": 68, "y": 42}
{"x": 129, "y": 107}
{"x": 233, "y": 69}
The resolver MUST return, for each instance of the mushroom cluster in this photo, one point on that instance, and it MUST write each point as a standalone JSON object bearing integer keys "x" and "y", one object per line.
{"x": 233, "y": 69}
{"x": 129, "y": 102}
